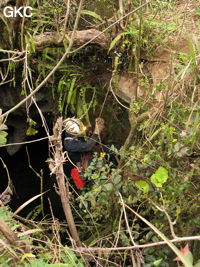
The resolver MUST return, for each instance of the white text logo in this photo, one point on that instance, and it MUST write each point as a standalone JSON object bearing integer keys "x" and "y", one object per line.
{"x": 12, "y": 12}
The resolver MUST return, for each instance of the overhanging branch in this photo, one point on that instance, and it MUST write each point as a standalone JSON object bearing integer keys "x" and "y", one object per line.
{"x": 49, "y": 39}
{"x": 108, "y": 250}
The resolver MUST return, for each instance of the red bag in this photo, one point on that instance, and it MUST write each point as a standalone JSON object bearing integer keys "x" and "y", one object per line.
{"x": 79, "y": 182}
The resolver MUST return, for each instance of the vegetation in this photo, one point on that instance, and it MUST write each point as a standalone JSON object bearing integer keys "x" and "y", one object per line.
{"x": 139, "y": 66}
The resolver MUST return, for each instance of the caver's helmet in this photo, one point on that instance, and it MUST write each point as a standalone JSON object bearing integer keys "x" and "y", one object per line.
{"x": 74, "y": 127}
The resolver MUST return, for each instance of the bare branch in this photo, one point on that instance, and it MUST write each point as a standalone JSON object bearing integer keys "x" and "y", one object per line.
{"x": 7, "y": 232}
{"x": 97, "y": 249}
{"x": 12, "y": 237}
{"x": 48, "y": 39}
{"x": 60, "y": 177}
{"x": 126, "y": 219}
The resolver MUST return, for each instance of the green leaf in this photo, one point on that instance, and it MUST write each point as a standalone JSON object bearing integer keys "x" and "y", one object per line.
{"x": 142, "y": 185}
{"x": 3, "y": 139}
{"x": 59, "y": 10}
{"x": 115, "y": 40}
{"x": 190, "y": 257}
{"x": 31, "y": 122}
{"x": 31, "y": 131}
{"x": 117, "y": 179}
{"x": 3, "y": 127}
{"x": 108, "y": 187}
{"x": 118, "y": 37}
{"x": 70, "y": 93}
{"x": 27, "y": 255}
{"x": 159, "y": 177}
{"x": 157, "y": 262}
{"x": 3, "y": 133}
{"x": 92, "y": 14}
{"x": 60, "y": 85}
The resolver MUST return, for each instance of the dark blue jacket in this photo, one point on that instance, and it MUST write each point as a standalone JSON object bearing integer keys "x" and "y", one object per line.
{"x": 78, "y": 147}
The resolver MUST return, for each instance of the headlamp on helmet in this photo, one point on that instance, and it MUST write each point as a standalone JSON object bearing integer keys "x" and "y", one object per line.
{"x": 74, "y": 126}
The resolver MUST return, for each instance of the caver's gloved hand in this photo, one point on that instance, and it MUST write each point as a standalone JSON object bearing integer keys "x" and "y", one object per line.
{"x": 99, "y": 126}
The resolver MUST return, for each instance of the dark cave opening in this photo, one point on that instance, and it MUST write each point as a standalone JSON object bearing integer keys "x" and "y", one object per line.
{"x": 30, "y": 176}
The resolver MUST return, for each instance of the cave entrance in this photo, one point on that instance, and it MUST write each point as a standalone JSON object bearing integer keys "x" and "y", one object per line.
{"x": 30, "y": 175}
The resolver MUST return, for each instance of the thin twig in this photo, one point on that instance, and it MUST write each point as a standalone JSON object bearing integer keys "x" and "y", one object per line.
{"x": 118, "y": 232}
{"x": 169, "y": 220}
{"x": 176, "y": 240}
{"x": 66, "y": 18}
{"x": 111, "y": 89}
{"x": 138, "y": 52}
{"x": 26, "y": 142}
{"x": 127, "y": 224}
